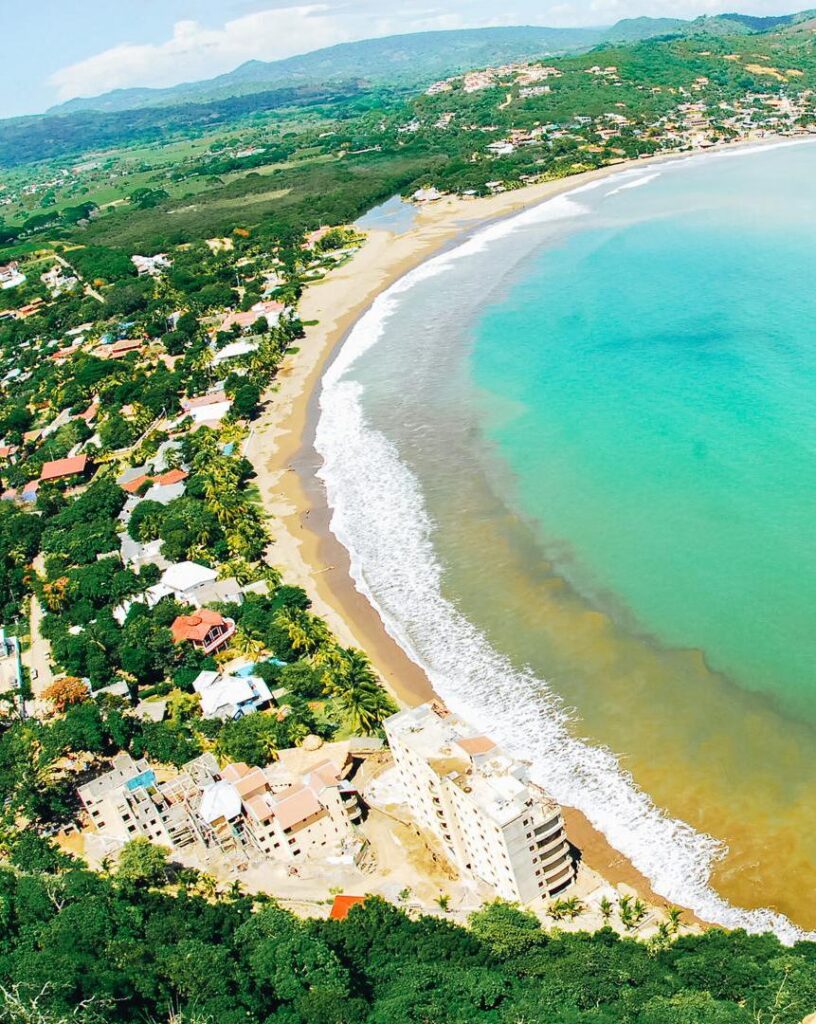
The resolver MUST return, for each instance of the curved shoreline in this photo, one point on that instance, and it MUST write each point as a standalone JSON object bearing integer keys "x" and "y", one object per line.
{"x": 287, "y": 462}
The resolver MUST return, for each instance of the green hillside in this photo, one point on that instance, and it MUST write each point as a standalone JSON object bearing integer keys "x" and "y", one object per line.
{"x": 414, "y": 58}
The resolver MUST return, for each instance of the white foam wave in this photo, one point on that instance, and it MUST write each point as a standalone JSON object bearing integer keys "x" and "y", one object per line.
{"x": 642, "y": 180}
{"x": 380, "y": 517}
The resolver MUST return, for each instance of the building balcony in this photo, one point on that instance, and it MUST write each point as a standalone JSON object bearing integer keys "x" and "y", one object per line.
{"x": 543, "y": 847}
{"x": 218, "y": 637}
{"x": 554, "y": 858}
{"x": 549, "y": 828}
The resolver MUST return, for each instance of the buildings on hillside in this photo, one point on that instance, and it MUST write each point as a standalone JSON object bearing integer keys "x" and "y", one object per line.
{"x": 10, "y": 276}
{"x": 274, "y": 812}
{"x": 151, "y": 265}
{"x": 492, "y": 821}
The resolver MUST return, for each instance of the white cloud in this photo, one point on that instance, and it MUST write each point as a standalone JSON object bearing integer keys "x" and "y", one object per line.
{"x": 195, "y": 51}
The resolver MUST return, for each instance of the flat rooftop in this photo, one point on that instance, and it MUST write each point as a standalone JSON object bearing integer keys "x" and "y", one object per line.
{"x": 493, "y": 781}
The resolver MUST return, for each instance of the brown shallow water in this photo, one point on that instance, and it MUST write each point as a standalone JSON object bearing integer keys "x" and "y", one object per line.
{"x": 706, "y": 751}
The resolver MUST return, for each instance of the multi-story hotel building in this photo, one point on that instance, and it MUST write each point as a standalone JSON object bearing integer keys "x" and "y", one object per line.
{"x": 493, "y": 822}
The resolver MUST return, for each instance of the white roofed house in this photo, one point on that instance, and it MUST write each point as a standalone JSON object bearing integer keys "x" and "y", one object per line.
{"x": 10, "y": 276}
{"x": 135, "y": 553}
{"x": 235, "y": 349}
{"x": 207, "y": 408}
{"x": 228, "y": 697}
{"x": 187, "y": 583}
{"x": 183, "y": 579}
{"x": 151, "y": 265}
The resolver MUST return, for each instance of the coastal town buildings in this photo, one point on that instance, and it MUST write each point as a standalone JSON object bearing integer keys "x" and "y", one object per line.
{"x": 272, "y": 812}
{"x": 11, "y": 276}
{"x": 492, "y": 821}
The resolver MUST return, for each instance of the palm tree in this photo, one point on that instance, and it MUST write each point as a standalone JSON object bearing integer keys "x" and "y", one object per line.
{"x": 364, "y": 708}
{"x": 675, "y": 915}
{"x": 626, "y": 913}
{"x": 330, "y": 658}
{"x": 307, "y": 633}
{"x": 247, "y": 644}
{"x": 269, "y": 745}
{"x": 573, "y": 907}
{"x": 358, "y": 695}
{"x": 605, "y": 907}
{"x": 207, "y": 885}
{"x": 348, "y": 667}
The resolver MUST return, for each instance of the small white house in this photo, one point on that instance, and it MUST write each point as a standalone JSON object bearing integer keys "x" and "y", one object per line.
{"x": 227, "y": 697}
{"x": 242, "y": 347}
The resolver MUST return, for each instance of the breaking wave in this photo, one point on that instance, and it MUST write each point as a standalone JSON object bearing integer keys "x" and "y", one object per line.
{"x": 379, "y": 515}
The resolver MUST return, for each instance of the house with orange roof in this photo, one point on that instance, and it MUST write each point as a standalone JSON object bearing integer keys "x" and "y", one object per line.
{"x": 206, "y": 630}
{"x": 120, "y": 349}
{"x": 90, "y": 413}
{"x": 168, "y": 479}
{"x": 63, "y": 469}
{"x": 269, "y": 309}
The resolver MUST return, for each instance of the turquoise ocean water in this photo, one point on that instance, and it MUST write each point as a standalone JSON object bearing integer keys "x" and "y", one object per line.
{"x": 591, "y": 432}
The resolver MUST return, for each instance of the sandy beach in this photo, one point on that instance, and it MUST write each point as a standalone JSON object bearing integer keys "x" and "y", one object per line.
{"x": 281, "y": 449}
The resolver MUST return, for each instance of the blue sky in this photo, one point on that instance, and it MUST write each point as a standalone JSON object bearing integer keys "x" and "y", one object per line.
{"x": 53, "y": 50}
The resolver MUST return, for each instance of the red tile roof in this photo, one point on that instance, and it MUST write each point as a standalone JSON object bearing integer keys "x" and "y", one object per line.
{"x": 64, "y": 467}
{"x": 132, "y": 486}
{"x": 342, "y": 905}
{"x": 214, "y": 398}
{"x": 197, "y": 626}
{"x": 124, "y": 346}
{"x": 296, "y": 805}
{"x": 172, "y": 476}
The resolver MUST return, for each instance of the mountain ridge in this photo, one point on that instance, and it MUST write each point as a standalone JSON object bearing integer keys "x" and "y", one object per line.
{"x": 418, "y": 58}
{"x": 412, "y": 57}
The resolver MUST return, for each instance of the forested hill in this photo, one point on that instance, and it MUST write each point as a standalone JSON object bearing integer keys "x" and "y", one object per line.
{"x": 27, "y": 140}
{"x": 147, "y": 944}
{"x": 417, "y": 57}
{"x": 420, "y": 57}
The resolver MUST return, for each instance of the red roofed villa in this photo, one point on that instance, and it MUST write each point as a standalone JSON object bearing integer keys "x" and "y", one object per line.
{"x": 206, "y": 630}
{"x": 59, "y": 469}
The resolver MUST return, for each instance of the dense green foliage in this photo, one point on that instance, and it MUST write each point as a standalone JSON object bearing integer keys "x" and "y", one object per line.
{"x": 24, "y": 140}
{"x": 115, "y": 949}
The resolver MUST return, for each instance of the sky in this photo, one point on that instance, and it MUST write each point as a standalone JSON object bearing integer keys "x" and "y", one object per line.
{"x": 53, "y": 50}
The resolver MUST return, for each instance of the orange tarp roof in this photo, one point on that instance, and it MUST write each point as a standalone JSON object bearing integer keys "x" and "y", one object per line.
{"x": 342, "y": 905}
